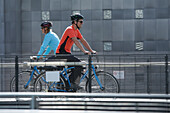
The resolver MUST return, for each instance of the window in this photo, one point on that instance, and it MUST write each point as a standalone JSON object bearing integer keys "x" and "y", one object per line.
{"x": 139, "y": 14}
{"x": 107, "y": 14}
{"x": 107, "y": 46}
{"x": 45, "y": 15}
{"x": 139, "y": 46}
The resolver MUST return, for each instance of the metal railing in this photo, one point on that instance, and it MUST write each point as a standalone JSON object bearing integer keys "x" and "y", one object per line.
{"x": 86, "y": 101}
{"x": 141, "y": 68}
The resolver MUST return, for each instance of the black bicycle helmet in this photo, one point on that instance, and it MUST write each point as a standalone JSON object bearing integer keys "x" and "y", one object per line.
{"x": 76, "y": 16}
{"x": 46, "y": 24}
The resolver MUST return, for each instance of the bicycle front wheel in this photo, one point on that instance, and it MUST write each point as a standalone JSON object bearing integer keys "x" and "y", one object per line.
{"x": 108, "y": 81}
{"x": 23, "y": 78}
{"x": 42, "y": 85}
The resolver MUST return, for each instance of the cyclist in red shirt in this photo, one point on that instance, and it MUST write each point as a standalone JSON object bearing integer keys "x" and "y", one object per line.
{"x": 70, "y": 36}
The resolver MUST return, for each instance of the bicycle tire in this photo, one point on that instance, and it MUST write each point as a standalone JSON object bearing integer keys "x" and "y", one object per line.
{"x": 108, "y": 81}
{"x": 46, "y": 86}
{"x": 23, "y": 78}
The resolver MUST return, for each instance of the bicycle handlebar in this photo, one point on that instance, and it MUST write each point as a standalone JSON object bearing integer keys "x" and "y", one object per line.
{"x": 94, "y": 54}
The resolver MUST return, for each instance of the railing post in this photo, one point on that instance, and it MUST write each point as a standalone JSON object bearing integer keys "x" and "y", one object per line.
{"x": 33, "y": 102}
{"x": 148, "y": 80}
{"x": 166, "y": 74}
{"x": 90, "y": 73}
{"x": 16, "y": 74}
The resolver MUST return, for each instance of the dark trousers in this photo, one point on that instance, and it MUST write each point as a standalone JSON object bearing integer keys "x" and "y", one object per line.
{"x": 76, "y": 72}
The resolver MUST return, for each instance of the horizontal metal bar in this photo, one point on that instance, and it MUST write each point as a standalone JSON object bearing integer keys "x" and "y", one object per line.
{"x": 83, "y": 95}
{"x": 102, "y": 64}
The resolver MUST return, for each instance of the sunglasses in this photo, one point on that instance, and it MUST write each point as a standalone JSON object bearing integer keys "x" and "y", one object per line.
{"x": 80, "y": 22}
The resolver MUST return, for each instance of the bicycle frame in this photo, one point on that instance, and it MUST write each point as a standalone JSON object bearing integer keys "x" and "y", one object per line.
{"x": 32, "y": 73}
{"x": 82, "y": 78}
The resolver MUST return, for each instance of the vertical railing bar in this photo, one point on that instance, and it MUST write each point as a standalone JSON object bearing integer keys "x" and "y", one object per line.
{"x": 166, "y": 74}
{"x": 90, "y": 73}
{"x": 148, "y": 90}
{"x": 33, "y": 102}
{"x": 16, "y": 74}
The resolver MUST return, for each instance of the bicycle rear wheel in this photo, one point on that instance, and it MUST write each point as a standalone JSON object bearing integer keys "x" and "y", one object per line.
{"x": 49, "y": 86}
{"x": 109, "y": 82}
{"x": 23, "y": 78}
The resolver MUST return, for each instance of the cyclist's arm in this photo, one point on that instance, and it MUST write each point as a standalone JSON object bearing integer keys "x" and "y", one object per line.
{"x": 44, "y": 45}
{"x": 47, "y": 51}
{"x": 86, "y": 45}
{"x": 78, "y": 44}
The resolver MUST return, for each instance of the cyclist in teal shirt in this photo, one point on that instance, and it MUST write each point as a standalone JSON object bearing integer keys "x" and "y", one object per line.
{"x": 50, "y": 42}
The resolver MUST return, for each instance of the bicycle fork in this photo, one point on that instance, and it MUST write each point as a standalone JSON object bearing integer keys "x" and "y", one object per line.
{"x": 97, "y": 79}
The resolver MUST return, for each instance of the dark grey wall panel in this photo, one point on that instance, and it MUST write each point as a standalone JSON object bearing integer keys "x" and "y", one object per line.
{"x": 129, "y": 14}
{"x": 128, "y": 4}
{"x": 96, "y": 4}
{"x": 149, "y": 13}
{"x": 162, "y": 13}
{"x": 168, "y": 29}
{"x": 55, "y": 15}
{"x": 45, "y": 5}
{"x": 97, "y": 14}
{"x": 149, "y": 29}
{"x": 117, "y": 4}
{"x": 76, "y": 4}
{"x": 66, "y": 4}
{"x": 26, "y": 35}
{"x": 107, "y": 30}
{"x": 26, "y": 5}
{"x": 162, "y": 3}
{"x": 36, "y": 16}
{"x": 139, "y": 32}
{"x": 65, "y": 15}
{"x": 97, "y": 28}
{"x": 107, "y": 4}
{"x": 128, "y": 46}
{"x": 85, "y": 4}
{"x": 26, "y": 16}
{"x": 162, "y": 45}
{"x": 162, "y": 29}
{"x": 117, "y": 14}
{"x": 128, "y": 30}
{"x": 138, "y": 4}
{"x": 117, "y": 30}
{"x": 149, "y": 3}
{"x": 149, "y": 46}
{"x": 117, "y": 46}
{"x": 36, "y": 32}
{"x": 55, "y": 4}
{"x": 35, "y": 5}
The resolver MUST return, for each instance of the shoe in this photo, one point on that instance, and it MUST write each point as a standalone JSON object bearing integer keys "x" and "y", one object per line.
{"x": 75, "y": 87}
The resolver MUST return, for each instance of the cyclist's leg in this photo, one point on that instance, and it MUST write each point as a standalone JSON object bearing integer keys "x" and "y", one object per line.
{"x": 76, "y": 72}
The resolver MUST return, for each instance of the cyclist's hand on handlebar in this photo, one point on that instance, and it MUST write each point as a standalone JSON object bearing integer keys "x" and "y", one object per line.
{"x": 93, "y": 52}
{"x": 33, "y": 57}
{"x": 87, "y": 53}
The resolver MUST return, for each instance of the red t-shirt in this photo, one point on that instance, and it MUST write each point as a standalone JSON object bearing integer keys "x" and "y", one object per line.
{"x": 66, "y": 41}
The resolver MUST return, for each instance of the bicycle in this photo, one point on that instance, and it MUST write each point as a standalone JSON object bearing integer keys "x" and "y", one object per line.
{"x": 101, "y": 82}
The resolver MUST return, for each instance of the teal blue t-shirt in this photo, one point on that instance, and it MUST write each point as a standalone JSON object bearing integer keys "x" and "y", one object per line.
{"x": 50, "y": 42}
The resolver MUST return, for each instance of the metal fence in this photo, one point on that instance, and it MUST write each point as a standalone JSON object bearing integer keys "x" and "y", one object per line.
{"x": 135, "y": 73}
{"x": 86, "y": 102}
